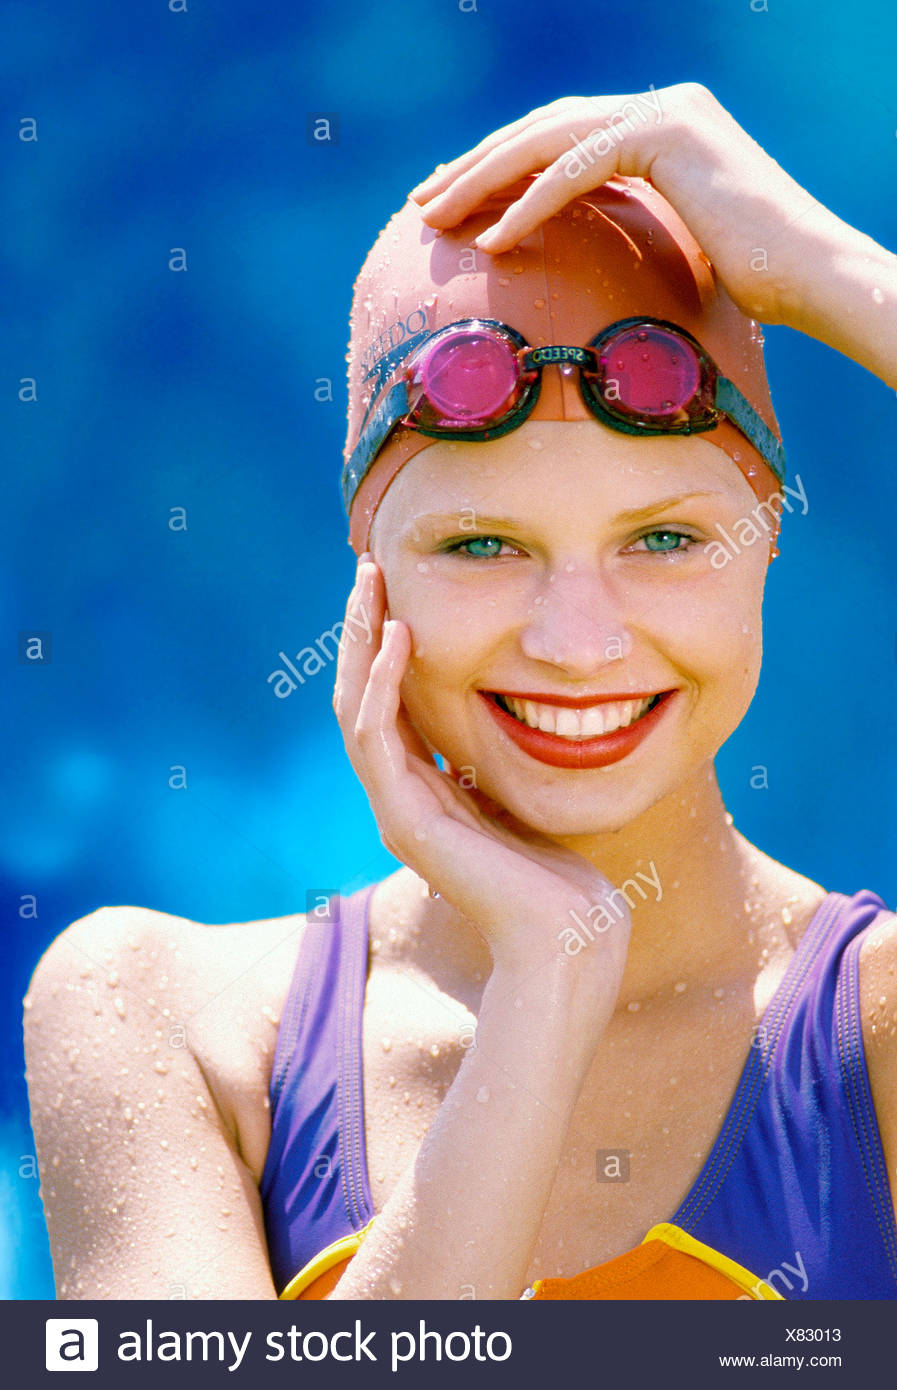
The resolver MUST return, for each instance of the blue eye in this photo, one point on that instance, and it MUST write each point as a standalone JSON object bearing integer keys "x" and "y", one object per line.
{"x": 489, "y": 547}
{"x": 666, "y": 542}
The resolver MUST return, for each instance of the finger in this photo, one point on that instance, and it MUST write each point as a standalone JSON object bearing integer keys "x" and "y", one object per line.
{"x": 554, "y": 189}
{"x": 444, "y": 174}
{"x": 408, "y": 793}
{"x": 504, "y": 162}
{"x": 554, "y": 139}
{"x": 412, "y": 737}
{"x": 358, "y": 645}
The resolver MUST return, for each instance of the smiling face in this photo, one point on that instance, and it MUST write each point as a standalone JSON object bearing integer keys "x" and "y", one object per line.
{"x": 556, "y": 565}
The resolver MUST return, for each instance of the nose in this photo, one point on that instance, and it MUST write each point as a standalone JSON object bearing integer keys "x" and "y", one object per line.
{"x": 576, "y": 621}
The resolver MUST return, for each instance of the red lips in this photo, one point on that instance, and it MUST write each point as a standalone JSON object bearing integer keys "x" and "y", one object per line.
{"x": 582, "y": 754}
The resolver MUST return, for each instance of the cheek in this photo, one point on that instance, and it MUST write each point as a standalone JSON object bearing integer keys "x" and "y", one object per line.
{"x": 712, "y": 630}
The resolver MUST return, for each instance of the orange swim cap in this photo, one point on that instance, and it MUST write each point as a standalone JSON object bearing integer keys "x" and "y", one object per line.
{"x": 610, "y": 254}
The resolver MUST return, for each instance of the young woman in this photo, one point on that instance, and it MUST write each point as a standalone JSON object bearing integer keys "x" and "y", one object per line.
{"x": 588, "y": 1042}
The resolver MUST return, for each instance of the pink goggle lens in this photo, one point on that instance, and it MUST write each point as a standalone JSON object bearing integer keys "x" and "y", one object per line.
{"x": 469, "y": 378}
{"x": 649, "y": 372}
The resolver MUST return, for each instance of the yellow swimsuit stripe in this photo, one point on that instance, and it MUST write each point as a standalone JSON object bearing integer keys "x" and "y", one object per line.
{"x": 672, "y": 1235}
{"x": 681, "y": 1240}
{"x": 325, "y": 1259}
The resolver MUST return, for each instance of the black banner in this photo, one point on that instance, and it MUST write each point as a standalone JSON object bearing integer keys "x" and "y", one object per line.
{"x": 403, "y": 1343}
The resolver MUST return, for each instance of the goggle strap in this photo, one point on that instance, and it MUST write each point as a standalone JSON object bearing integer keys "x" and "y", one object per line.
{"x": 395, "y": 405}
{"x": 388, "y": 413}
{"x": 732, "y": 403}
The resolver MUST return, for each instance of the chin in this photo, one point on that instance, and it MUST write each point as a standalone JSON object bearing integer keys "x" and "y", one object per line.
{"x": 565, "y": 815}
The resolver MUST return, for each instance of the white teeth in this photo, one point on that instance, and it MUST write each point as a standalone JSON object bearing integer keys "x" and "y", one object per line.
{"x": 568, "y": 724}
{"x": 593, "y": 722}
{"x": 578, "y": 724}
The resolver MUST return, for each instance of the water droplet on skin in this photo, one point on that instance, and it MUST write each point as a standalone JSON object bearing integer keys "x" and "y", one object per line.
{"x": 633, "y": 1006}
{"x": 118, "y": 1005}
{"x": 392, "y": 1081}
{"x": 787, "y": 915}
{"x": 434, "y": 1050}
{"x": 128, "y": 1113}
{"x": 535, "y": 443}
{"x": 423, "y": 567}
{"x": 420, "y": 834}
{"x": 718, "y": 993}
{"x": 386, "y": 1044}
{"x": 112, "y": 979}
{"x": 483, "y": 1094}
{"x": 161, "y": 1068}
{"x": 503, "y": 280}
{"x": 680, "y": 986}
{"x": 878, "y": 295}
{"x": 538, "y": 303}
{"x": 194, "y": 1162}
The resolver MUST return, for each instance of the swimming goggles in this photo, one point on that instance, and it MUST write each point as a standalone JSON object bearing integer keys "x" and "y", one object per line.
{"x": 478, "y": 379}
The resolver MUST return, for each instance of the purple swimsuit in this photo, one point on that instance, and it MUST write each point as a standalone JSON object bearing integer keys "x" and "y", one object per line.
{"x": 795, "y": 1183}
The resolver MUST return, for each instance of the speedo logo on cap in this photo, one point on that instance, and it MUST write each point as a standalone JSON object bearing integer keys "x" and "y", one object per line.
{"x": 386, "y": 352}
{"x": 397, "y": 333}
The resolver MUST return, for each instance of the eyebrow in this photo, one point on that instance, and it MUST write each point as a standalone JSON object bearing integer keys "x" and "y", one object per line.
{"x": 516, "y": 524}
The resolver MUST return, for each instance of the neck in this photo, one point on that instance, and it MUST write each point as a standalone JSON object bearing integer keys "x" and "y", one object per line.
{"x": 698, "y": 893}
{"x": 695, "y": 887}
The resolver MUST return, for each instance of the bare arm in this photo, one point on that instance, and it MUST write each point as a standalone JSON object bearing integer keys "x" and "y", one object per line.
{"x": 782, "y": 255}
{"x": 842, "y": 289}
{"x": 466, "y": 1214}
{"x": 144, "y": 1190}
{"x": 463, "y": 1220}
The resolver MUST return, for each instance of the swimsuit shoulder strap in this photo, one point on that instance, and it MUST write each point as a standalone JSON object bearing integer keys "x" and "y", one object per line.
{"x": 796, "y": 1180}
{"x": 314, "y": 1186}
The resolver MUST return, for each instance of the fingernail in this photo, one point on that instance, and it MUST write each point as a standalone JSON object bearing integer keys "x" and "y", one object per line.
{"x": 364, "y": 557}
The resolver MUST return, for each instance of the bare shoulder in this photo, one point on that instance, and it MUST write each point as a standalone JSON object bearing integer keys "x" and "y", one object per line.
{"x": 878, "y": 986}
{"x": 148, "y": 1044}
{"x": 878, "y": 1011}
{"x": 215, "y": 991}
